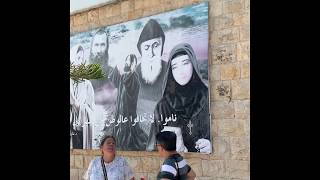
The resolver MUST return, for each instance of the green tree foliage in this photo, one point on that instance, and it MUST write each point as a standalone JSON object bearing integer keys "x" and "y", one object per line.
{"x": 80, "y": 72}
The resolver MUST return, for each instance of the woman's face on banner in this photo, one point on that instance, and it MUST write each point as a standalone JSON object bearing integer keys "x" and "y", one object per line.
{"x": 182, "y": 69}
{"x": 80, "y": 57}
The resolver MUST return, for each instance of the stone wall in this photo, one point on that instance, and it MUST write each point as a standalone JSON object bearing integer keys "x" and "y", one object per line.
{"x": 229, "y": 63}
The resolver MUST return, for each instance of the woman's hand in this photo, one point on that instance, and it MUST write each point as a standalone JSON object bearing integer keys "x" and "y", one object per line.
{"x": 204, "y": 145}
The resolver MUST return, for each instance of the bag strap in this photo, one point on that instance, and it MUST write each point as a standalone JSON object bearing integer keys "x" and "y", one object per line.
{"x": 178, "y": 174}
{"x": 104, "y": 169}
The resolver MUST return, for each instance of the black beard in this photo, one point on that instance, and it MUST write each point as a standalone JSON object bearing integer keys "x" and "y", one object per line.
{"x": 97, "y": 60}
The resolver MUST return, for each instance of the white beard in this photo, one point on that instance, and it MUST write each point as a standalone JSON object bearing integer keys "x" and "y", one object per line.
{"x": 151, "y": 70}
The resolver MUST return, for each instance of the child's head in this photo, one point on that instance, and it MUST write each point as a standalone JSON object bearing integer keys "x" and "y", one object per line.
{"x": 166, "y": 141}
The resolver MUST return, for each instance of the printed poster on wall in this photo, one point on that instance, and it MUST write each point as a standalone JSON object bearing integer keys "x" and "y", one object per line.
{"x": 156, "y": 80}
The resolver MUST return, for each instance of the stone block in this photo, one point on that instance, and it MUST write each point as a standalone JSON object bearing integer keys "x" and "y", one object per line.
{"x": 243, "y": 51}
{"x": 74, "y": 174}
{"x": 196, "y": 165}
{"x": 238, "y": 169}
{"x": 224, "y": 54}
{"x": 230, "y": 71}
{"x": 239, "y": 148}
{"x": 233, "y": 6}
{"x": 240, "y": 89}
{"x": 222, "y": 110}
{"x": 214, "y": 168}
{"x": 150, "y": 164}
{"x": 242, "y": 109}
{"x": 231, "y": 127}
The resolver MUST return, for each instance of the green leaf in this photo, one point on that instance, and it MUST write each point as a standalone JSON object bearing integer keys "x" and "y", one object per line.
{"x": 82, "y": 71}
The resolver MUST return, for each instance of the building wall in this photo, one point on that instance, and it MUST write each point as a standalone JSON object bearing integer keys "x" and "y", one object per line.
{"x": 229, "y": 63}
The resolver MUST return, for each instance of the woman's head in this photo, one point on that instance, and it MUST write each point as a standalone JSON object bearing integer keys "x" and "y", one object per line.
{"x": 80, "y": 55}
{"x": 108, "y": 144}
{"x": 77, "y": 55}
{"x": 182, "y": 68}
{"x": 183, "y": 71}
{"x": 130, "y": 63}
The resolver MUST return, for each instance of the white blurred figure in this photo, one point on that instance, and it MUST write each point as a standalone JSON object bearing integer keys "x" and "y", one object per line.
{"x": 81, "y": 106}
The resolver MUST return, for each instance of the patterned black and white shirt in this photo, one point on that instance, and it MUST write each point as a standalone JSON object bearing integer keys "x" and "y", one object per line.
{"x": 173, "y": 167}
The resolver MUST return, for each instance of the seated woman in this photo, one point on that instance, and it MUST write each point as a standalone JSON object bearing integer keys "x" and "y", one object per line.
{"x": 108, "y": 166}
{"x": 184, "y": 108}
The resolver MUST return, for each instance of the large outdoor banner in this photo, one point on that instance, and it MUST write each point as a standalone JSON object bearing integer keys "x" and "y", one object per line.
{"x": 156, "y": 80}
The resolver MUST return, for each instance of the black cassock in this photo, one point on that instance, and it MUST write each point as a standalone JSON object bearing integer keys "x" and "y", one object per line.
{"x": 128, "y": 134}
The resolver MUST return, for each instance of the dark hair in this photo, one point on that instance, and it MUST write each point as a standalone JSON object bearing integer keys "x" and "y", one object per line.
{"x": 99, "y": 32}
{"x": 181, "y": 53}
{"x": 80, "y": 48}
{"x": 106, "y": 58}
{"x": 132, "y": 58}
{"x": 167, "y": 139}
{"x": 171, "y": 86}
{"x": 104, "y": 138}
{"x": 150, "y": 31}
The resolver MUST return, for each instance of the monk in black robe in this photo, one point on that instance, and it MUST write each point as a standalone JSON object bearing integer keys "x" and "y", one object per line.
{"x": 151, "y": 71}
{"x": 128, "y": 134}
